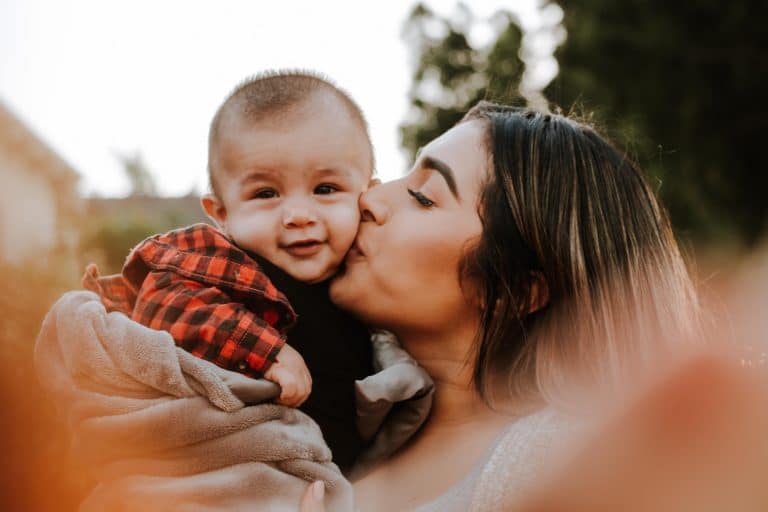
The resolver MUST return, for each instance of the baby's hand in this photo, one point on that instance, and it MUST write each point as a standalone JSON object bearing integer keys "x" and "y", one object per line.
{"x": 291, "y": 373}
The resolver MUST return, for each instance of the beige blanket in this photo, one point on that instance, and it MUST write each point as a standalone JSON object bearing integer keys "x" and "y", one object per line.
{"x": 163, "y": 430}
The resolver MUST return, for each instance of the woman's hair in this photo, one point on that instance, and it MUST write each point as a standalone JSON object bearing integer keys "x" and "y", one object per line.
{"x": 577, "y": 266}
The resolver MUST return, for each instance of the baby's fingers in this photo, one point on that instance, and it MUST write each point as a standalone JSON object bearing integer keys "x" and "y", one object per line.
{"x": 297, "y": 394}
{"x": 304, "y": 387}
{"x": 289, "y": 386}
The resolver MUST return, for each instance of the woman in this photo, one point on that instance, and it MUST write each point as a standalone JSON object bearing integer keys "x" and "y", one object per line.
{"x": 511, "y": 263}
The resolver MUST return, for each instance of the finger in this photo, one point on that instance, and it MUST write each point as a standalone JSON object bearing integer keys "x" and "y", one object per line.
{"x": 307, "y": 380}
{"x": 301, "y": 399}
{"x": 676, "y": 448}
{"x": 312, "y": 501}
{"x": 304, "y": 383}
{"x": 287, "y": 381}
{"x": 297, "y": 392}
{"x": 290, "y": 402}
{"x": 290, "y": 390}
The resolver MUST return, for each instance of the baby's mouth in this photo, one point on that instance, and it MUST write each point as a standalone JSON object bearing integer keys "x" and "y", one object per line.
{"x": 303, "y": 248}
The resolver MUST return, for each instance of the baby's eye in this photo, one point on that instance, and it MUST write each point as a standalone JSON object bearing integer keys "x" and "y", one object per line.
{"x": 326, "y": 188}
{"x": 264, "y": 193}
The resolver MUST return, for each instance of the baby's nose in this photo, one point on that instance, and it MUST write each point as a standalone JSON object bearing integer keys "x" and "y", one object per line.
{"x": 297, "y": 216}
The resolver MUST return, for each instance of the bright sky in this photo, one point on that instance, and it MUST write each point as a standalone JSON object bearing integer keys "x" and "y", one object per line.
{"x": 95, "y": 78}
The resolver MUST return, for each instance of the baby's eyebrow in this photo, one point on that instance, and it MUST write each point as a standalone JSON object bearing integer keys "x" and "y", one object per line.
{"x": 332, "y": 171}
{"x": 258, "y": 176}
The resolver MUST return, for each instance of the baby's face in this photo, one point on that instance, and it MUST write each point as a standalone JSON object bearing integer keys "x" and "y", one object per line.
{"x": 289, "y": 189}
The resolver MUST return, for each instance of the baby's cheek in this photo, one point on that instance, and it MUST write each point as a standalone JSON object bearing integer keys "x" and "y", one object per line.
{"x": 343, "y": 223}
{"x": 253, "y": 232}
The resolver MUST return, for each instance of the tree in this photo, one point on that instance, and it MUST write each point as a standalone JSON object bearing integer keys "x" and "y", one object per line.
{"x": 679, "y": 84}
{"x": 113, "y": 226}
{"x": 141, "y": 179}
{"x": 451, "y": 75}
{"x": 683, "y": 81}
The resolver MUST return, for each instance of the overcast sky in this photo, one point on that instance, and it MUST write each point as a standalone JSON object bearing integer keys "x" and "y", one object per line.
{"x": 95, "y": 78}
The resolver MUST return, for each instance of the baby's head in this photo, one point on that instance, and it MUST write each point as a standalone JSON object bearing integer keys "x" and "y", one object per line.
{"x": 288, "y": 156}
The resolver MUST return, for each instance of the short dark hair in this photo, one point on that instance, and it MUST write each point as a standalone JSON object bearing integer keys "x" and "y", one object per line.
{"x": 562, "y": 209}
{"x": 270, "y": 94}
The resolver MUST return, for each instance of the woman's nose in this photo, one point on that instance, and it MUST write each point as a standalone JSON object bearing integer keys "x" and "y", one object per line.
{"x": 373, "y": 204}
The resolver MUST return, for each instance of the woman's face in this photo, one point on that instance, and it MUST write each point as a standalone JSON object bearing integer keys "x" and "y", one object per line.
{"x": 403, "y": 272}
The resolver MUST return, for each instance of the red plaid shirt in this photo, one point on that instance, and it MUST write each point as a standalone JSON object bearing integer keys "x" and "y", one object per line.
{"x": 210, "y": 295}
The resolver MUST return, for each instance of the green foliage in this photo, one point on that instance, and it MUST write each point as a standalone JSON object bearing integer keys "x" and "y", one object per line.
{"x": 141, "y": 179}
{"x": 27, "y": 293}
{"x": 683, "y": 81}
{"x": 115, "y": 226}
{"x": 680, "y": 84}
{"x": 109, "y": 241}
{"x": 451, "y": 75}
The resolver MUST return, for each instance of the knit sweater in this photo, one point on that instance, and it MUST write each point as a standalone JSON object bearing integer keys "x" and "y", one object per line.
{"x": 509, "y": 467}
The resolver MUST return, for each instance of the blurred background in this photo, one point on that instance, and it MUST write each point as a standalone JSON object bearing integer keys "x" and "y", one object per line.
{"x": 104, "y": 112}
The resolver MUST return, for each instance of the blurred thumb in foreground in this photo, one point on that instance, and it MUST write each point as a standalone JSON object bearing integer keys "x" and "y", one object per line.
{"x": 694, "y": 440}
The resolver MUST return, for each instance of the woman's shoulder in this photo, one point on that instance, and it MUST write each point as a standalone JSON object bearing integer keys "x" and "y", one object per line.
{"x": 532, "y": 431}
{"x": 510, "y": 463}
{"x": 518, "y": 456}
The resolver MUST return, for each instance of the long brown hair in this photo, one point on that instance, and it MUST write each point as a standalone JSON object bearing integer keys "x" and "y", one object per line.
{"x": 577, "y": 264}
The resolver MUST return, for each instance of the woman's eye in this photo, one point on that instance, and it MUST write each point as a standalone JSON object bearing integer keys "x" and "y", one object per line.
{"x": 326, "y": 189}
{"x": 421, "y": 198}
{"x": 264, "y": 193}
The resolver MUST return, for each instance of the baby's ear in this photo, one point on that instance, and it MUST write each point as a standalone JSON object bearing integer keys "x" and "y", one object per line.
{"x": 215, "y": 210}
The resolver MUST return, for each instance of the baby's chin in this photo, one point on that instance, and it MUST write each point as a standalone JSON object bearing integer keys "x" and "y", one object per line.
{"x": 313, "y": 270}
{"x": 312, "y": 276}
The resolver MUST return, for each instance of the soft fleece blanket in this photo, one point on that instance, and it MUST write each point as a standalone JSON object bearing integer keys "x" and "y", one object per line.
{"x": 164, "y": 430}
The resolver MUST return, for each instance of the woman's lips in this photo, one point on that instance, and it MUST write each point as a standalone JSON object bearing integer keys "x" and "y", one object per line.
{"x": 354, "y": 254}
{"x": 303, "y": 248}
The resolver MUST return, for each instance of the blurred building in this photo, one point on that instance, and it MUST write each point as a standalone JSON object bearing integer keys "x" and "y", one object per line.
{"x": 113, "y": 226}
{"x": 173, "y": 211}
{"x": 39, "y": 203}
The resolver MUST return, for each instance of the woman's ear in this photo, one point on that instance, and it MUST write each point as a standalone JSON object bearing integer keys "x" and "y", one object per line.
{"x": 215, "y": 210}
{"x": 539, "y": 296}
{"x": 537, "y": 299}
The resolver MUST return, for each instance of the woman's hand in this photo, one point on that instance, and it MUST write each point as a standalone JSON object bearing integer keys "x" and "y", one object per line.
{"x": 312, "y": 501}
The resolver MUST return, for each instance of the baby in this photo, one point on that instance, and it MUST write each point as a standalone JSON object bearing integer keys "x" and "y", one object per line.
{"x": 289, "y": 156}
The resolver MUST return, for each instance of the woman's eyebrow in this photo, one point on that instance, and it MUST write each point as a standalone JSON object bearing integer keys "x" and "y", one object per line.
{"x": 443, "y": 169}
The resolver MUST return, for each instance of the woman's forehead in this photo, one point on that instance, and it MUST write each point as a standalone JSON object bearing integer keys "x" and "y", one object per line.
{"x": 463, "y": 149}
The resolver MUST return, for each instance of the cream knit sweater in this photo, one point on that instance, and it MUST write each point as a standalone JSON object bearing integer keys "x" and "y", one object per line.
{"x": 509, "y": 467}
